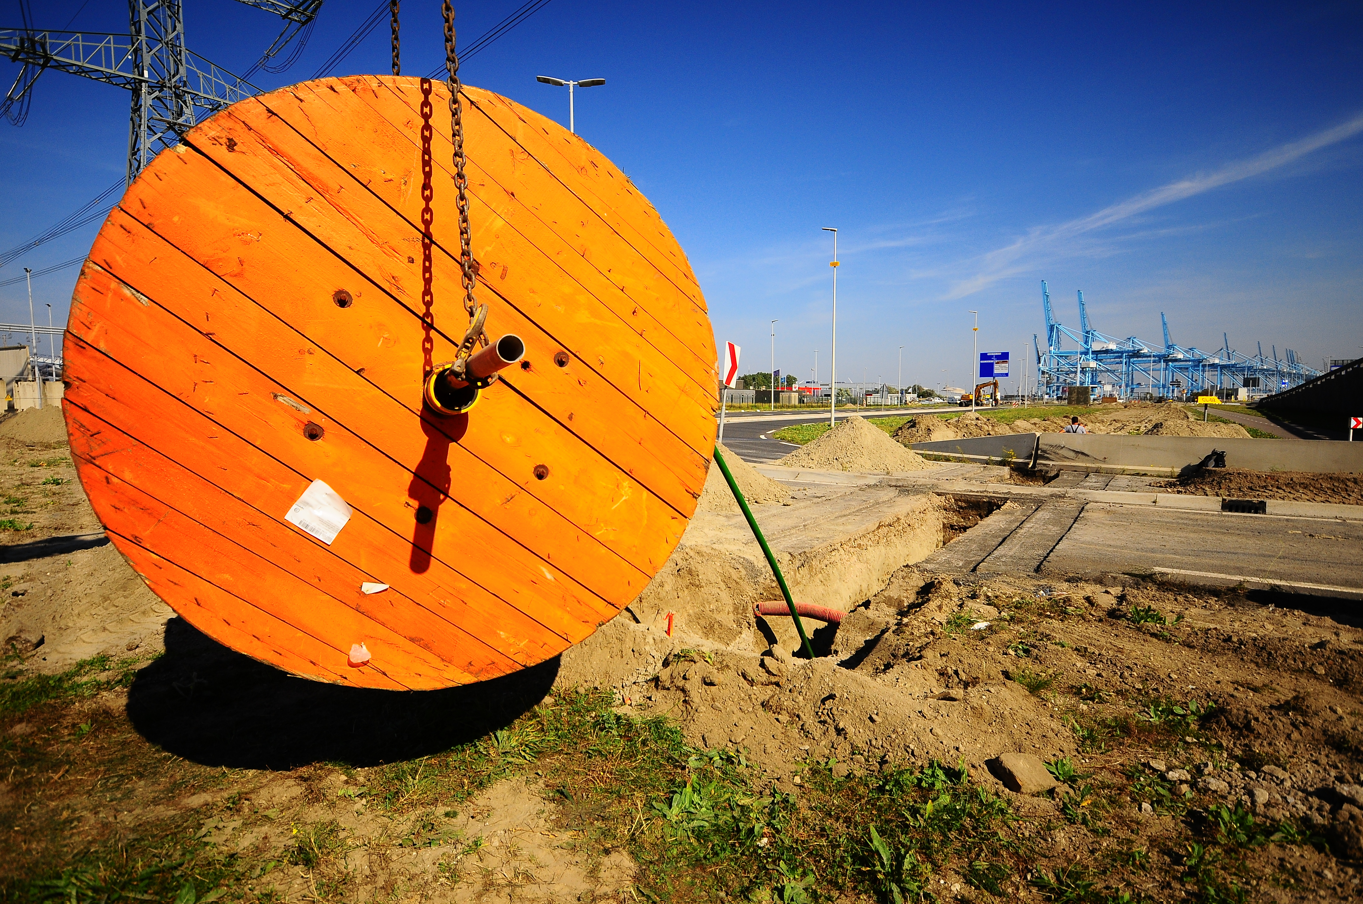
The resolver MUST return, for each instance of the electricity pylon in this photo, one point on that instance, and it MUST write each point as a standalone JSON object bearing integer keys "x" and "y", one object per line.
{"x": 171, "y": 87}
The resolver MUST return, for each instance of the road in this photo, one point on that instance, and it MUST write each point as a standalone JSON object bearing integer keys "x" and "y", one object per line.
{"x": 749, "y": 433}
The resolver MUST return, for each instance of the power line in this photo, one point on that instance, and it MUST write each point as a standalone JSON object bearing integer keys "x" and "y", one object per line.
{"x": 99, "y": 207}
{"x": 379, "y": 14}
{"x": 516, "y": 17}
{"x": 44, "y": 271}
{"x": 95, "y": 209}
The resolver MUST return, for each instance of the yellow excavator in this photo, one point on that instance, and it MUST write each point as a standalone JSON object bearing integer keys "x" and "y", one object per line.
{"x": 991, "y": 398}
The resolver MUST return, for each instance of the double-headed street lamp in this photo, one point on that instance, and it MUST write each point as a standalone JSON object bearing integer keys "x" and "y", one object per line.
{"x": 560, "y": 82}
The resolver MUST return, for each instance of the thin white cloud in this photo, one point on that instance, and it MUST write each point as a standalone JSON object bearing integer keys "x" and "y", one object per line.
{"x": 1010, "y": 259}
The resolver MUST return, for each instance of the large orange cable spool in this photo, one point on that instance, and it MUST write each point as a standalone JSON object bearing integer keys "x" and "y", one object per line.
{"x": 255, "y": 323}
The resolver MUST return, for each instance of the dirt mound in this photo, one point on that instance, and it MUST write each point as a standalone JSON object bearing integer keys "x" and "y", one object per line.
{"x": 1137, "y": 418}
{"x": 1289, "y": 486}
{"x": 1189, "y": 427}
{"x": 930, "y": 429}
{"x": 855, "y": 445}
{"x": 35, "y": 426}
{"x": 756, "y": 488}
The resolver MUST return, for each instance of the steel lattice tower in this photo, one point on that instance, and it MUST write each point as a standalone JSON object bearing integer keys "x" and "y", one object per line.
{"x": 172, "y": 88}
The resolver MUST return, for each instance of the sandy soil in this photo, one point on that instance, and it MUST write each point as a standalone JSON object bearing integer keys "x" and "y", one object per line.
{"x": 1292, "y": 486}
{"x": 922, "y": 667}
{"x": 855, "y": 445}
{"x": 1134, "y": 418}
{"x": 757, "y": 489}
{"x": 67, "y": 593}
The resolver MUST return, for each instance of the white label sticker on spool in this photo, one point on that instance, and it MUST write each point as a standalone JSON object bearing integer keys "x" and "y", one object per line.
{"x": 320, "y": 512}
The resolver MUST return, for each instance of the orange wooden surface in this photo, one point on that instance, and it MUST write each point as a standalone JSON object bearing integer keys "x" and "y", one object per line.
{"x": 204, "y": 338}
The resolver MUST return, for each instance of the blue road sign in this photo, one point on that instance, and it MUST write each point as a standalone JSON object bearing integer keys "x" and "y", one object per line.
{"x": 993, "y": 364}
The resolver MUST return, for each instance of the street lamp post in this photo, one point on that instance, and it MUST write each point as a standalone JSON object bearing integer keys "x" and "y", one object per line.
{"x": 899, "y": 380}
{"x": 560, "y": 82}
{"x": 773, "y": 365}
{"x": 33, "y": 332}
{"x": 833, "y": 367}
{"x": 974, "y": 359}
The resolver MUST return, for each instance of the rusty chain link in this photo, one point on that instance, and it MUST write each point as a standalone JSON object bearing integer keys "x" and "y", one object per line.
{"x": 397, "y": 60}
{"x": 467, "y": 267}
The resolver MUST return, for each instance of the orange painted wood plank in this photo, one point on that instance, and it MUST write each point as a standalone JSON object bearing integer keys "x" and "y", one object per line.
{"x": 611, "y": 193}
{"x": 122, "y": 397}
{"x": 260, "y": 411}
{"x": 528, "y": 198}
{"x": 310, "y": 376}
{"x": 125, "y": 460}
{"x": 239, "y": 625}
{"x": 291, "y": 173}
{"x": 509, "y": 230}
{"x": 245, "y": 573}
{"x": 266, "y": 256}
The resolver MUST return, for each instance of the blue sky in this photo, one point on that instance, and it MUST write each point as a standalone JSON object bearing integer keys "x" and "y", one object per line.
{"x": 1206, "y": 162}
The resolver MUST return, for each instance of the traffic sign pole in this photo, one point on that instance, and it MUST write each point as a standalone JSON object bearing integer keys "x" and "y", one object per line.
{"x": 1355, "y": 423}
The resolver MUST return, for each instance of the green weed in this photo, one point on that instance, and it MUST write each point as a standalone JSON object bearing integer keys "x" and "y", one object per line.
{"x": 1067, "y": 885}
{"x": 1179, "y": 718}
{"x": 15, "y": 524}
{"x": 1037, "y": 683}
{"x": 1142, "y": 615}
{"x": 313, "y": 844}
{"x": 53, "y": 481}
{"x": 1063, "y": 770}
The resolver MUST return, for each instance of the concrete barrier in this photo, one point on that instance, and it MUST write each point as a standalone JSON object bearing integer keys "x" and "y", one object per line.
{"x": 26, "y": 394}
{"x": 1013, "y": 447}
{"x": 1168, "y": 455}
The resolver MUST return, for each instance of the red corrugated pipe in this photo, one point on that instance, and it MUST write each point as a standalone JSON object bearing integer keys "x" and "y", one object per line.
{"x": 806, "y": 610}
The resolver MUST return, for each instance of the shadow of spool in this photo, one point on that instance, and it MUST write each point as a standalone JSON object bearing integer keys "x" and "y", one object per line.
{"x": 213, "y": 706}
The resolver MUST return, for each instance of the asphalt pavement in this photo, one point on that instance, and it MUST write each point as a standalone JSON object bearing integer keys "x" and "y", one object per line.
{"x": 749, "y": 432}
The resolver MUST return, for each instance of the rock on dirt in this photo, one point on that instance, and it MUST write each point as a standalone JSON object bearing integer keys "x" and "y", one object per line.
{"x": 34, "y": 426}
{"x": 855, "y": 445}
{"x": 1022, "y": 772}
{"x": 757, "y": 488}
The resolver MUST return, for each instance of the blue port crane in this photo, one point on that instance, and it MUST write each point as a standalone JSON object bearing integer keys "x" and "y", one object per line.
{"x": 1130, "y": 368}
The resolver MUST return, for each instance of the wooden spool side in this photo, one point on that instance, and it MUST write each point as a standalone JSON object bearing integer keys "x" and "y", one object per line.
{"x": 258, "y": 313}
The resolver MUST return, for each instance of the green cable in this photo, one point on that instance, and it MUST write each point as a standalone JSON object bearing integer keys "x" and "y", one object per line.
{"x": 771, "y": 558}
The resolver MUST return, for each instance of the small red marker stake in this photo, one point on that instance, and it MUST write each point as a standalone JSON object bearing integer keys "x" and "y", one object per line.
{"x": 669, "y": 624}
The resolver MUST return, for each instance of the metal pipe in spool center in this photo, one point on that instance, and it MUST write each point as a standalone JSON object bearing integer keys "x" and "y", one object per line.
{"x": 449, "y": 393}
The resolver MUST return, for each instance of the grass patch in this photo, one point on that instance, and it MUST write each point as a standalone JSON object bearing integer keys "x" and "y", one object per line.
{"x": 20, "y": 693}
{"x": 1255, "y": 432}
{"x": 801, "y": 434}
{"x": 15, "y": 524}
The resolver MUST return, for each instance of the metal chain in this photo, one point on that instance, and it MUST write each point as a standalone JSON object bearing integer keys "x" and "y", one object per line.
{"x": 460, "y": 179}
{"x": 393, "y": 12}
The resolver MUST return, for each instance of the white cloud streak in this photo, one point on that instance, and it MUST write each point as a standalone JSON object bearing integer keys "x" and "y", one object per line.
{"x": 1010, "y": 259}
